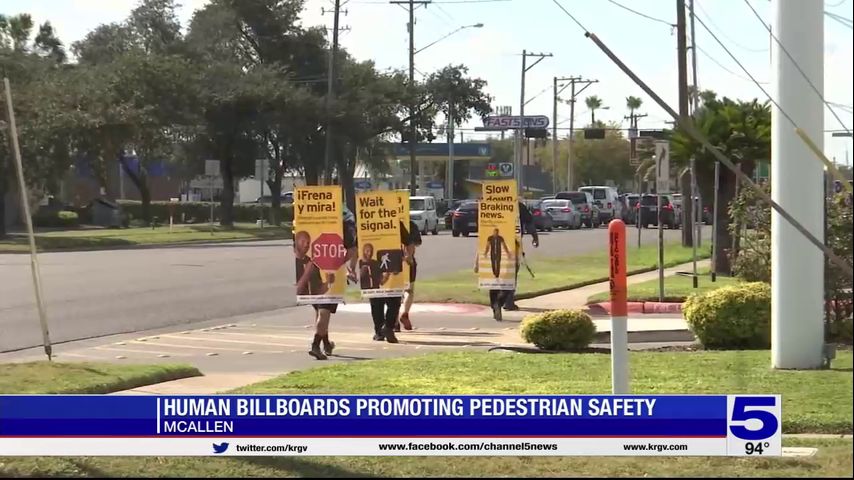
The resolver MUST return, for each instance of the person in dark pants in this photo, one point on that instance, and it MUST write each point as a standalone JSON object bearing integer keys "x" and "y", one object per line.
{"x": 384, "y": 311}
{"x": 409, "y": 294}
{"x": 526, "y": 224}
{"x": 507, "y": 298}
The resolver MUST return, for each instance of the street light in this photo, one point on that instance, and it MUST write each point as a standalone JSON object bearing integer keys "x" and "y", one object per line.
{"x": 476, "y": 25}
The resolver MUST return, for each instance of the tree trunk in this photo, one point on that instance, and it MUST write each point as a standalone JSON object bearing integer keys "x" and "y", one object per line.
{"x": 275, "y": 185}
{"x": 140, "y": 181}
{"x": 687, "y": 208}
{"x": 227, "y": 199}
{"x": 346, "y": 170}
{"x": 723, "y": 239}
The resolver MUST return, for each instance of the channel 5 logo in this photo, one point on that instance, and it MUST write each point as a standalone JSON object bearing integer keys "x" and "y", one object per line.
{"x": 754, "y": 417}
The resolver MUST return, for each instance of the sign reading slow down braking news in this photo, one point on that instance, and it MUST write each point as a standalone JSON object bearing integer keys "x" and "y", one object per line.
{"x": 381, "y": 425}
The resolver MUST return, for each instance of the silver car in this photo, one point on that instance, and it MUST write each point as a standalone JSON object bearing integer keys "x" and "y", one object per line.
{"x": 564, "y": 213}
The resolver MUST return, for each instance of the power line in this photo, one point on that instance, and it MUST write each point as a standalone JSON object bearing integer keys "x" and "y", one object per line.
{"x": 723, "y": 67}
{"x": 642, "y": 14}
{"x": 735, "y": 59}
{"x": 844, "y": 21}
{"x": 722, "y": 32}
{"x": 571, "y": 16}
{"x": 803, "y": 74}
{"x": 840, "y": 2}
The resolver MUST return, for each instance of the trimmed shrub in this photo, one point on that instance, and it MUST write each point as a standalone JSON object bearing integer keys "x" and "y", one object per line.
{"x": 559, "y": 330}
{"x": 56, "y": 219}
{"x": 200, "y": 212}
{"x": 731, "y": 318}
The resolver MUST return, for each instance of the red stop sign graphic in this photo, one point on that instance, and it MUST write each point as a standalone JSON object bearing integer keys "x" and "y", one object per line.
{"x": 328, "y": 252}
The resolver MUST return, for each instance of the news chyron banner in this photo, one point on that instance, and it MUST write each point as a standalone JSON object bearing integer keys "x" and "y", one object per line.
{"x": 391, "y": 425}
{"x": 321, "y": 276}
{"x": 496, "y": 235}
{"x": 381, "y": 265}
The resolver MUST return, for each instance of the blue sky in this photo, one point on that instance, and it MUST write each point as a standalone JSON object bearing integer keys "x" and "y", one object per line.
{"x": 378, "y": 32}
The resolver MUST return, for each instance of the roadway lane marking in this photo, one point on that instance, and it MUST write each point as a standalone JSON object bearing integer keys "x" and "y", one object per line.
{"x": 132, "y": 350}
{"x": 172, "y": 345}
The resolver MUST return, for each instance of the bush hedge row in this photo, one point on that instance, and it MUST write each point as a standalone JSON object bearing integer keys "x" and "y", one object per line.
{"x": 199, "y": 212}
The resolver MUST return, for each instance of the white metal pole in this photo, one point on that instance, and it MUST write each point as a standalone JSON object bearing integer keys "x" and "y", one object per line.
{"x": 797, "y": 269}
{"x": 28, "y": 220}
{"x": 212, "y": 200}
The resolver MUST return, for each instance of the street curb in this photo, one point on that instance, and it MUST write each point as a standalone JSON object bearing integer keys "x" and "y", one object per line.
{"x": 145, "y": 246}
{"x": 587, "y": 283}
{"x": 645, "y": 308}
{"x": 650, "y": 336}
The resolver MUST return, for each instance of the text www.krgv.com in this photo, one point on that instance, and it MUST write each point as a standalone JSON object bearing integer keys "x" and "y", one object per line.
{"x": 476, "y": 447}
{"x": 655, "y": 447}
{"x": 272, "y": 448}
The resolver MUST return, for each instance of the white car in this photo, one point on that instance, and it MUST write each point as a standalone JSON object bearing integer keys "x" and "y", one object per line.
{"x": 607, "y": 199}
{"x": 422, "y": 212}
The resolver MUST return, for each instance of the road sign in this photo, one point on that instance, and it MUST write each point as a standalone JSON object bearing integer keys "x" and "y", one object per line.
{"x": 363, "y": 184}
{"x": 516, "y": 122}
{"x": 212, "y": 168}
{"x": 662, "y": 167}
{"x": 328, "y": 251}
{"x": 261, "y": 168}
{"x": 435, "y": 185}
{"x": 505, "y": 169}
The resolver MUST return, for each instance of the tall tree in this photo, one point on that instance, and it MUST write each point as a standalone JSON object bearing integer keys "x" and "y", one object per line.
{"x": 633, "y": 103}
{"x": 740, "y": 130}
{"x": 594, "y": 103}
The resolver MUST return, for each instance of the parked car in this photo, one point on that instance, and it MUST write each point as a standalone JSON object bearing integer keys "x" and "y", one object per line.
{"x": 449, "y": 214}
{"x": 607, "y": 200}
{"x": 542, "y": 219}
{"x": 583, "y": 202}
{"x": 632, "y": 200}
{"x": 287, "y": 198}
{"x": 422, "y": 212}
{"x": 564, "y": 213}
{"x": 648, "y": 211}
{"x": 465, "y": 219}
{"x": 547, "y": 197}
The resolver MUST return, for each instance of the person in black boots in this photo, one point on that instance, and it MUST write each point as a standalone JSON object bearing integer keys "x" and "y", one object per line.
{"x": 526, "y": 224}
{"x": 384, "y": 311}
{"x": 323, "y": 312}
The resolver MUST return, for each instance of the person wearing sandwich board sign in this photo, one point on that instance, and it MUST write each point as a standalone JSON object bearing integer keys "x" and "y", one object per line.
{"x": 324, "y": 242}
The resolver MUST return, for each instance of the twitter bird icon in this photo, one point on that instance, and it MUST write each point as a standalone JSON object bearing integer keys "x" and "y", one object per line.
{"x": 220, "y": 448}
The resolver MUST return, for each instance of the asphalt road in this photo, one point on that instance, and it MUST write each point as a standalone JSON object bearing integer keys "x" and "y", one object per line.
{"x": 92, "y": 294}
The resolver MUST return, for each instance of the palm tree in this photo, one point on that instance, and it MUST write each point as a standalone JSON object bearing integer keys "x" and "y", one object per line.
{"x": 633, "y": 103}
{"x": 593, "y": 103}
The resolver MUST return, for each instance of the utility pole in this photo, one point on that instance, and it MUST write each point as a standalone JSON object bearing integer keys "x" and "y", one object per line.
{"x": 573, "y": 81}
{"x": 554, "y": 125}
{"x": 330, "y": 89}
{"x": 520, "y": 132}
{"x": 684, "y": 181}
{"x": 413, "y": 190}
{"x": 696, "y": 206}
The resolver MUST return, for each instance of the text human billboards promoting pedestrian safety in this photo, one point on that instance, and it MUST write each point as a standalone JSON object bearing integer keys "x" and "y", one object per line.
{"x": 318, "y": 245}
{"x": 391, "y": 425}
{"x": 381, "y": 265}
{"x": 496, "y": 234}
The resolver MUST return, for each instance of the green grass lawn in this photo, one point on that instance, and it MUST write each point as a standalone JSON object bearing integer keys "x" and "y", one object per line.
{"x": 676, "y": 288}
{"x": 108, "y": 237}
{"x": 812, "y": 401}
{"x": 552, "y": 274}
{"x": 79, "y": 378}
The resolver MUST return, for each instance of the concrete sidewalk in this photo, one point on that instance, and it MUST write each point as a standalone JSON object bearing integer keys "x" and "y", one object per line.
{"x": 577, "y": 298}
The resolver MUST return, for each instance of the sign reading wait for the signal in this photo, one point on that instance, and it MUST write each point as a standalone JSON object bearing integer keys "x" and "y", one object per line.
{"x": 516, "y": 122}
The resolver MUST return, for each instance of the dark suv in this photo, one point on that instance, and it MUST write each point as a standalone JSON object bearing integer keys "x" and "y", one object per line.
{"x": 464, "y": 221}
{"x": 648, "y": 207}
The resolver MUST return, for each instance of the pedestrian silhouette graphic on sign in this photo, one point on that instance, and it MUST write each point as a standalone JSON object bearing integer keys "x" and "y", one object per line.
{"x": 494, "y": 244}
